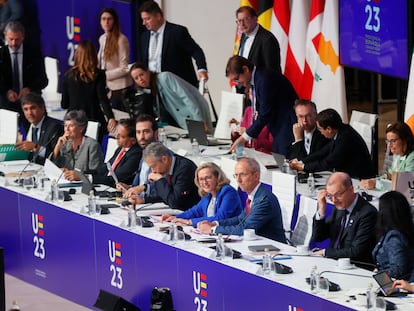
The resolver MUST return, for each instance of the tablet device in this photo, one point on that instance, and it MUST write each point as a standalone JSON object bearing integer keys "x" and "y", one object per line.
{"x": 261, "y": 248}
{"x": 385, "y": 284}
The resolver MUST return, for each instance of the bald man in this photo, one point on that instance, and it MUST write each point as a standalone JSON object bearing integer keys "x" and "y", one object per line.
{"x": 350, "y": 227}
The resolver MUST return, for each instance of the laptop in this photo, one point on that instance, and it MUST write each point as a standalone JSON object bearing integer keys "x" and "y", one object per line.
{"x": 279, "y": 158}
{"x": 385, "y": 285}
{"x": 196, "y": 130}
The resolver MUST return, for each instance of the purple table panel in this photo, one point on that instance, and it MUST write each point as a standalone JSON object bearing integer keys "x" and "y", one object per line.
{"x": 116, "y": 261}
{"x": 9, "y": 232}
{"x": 58, "y": 250}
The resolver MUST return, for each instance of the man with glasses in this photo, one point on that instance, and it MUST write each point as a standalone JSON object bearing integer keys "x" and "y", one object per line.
{"x": 307, "y": 138}
{"x": 350, "y": 227}
{"x": 262, "y": 212}
{"x": 346, "y": 151}
{"x": 257, "y": 44}
{"x": 273, "y": 97}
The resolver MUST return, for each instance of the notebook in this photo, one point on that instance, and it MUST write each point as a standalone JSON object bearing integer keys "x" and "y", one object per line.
{"x": 196, "y": 130}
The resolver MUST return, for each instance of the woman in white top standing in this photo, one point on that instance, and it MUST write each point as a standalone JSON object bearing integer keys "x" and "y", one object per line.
{"x": 113, "y": 57}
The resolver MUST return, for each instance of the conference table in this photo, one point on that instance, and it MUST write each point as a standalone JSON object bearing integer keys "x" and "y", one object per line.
{"x": 59, "y": 247}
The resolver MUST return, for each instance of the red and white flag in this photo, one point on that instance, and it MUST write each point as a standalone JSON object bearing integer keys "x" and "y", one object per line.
{"x": 312, "y": 46}
{"x": 279, "y": 26}
{"x": 295, "y": 58}
{"x": 329, "y": 83}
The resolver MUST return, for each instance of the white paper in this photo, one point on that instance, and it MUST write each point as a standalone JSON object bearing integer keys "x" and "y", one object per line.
{"x": 231, "y": 107}
{"x": 8, "y": 127}
{"x": 54, "y": 173}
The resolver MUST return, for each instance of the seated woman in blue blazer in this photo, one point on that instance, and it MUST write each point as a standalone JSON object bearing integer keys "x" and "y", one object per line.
{"x": 394, "y": 251}
{"x": 219, "y": 200}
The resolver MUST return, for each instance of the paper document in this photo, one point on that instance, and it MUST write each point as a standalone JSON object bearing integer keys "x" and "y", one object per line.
{"x": 231, "y": 107}
{"x": 54, "y": 173}
{"x": 8, "y": 126}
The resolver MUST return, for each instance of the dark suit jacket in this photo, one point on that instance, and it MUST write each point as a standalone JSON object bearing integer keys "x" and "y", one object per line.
{"x": 90, "y": 97}
{"x": 298, "y": 150}
{"x": 50, "y": 132}
{"x": 181, "y": 193}
{"x": 125, "y": 170}
{"x": 275, "y": 97}
{"x": 358, "y": 238}
{"x": 347, "y": 153}
{"x": 178, "y": 50}
{"x": 34, "y": 74}
{"x": 265, "y": 50}
{"x": 265, "y": 217}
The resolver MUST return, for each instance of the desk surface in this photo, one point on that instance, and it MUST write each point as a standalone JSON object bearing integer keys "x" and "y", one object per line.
{"x": 46, "y": 243}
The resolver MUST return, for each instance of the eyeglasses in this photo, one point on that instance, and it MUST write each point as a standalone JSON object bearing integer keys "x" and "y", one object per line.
{"x": 241, "y": 175}
{"x": 336, "y": 195}
{"x": 243, "y": 20}
{"x": 391, "y": 141}
{"x": 307, "y": 117}
{"x": 205, "y": 179}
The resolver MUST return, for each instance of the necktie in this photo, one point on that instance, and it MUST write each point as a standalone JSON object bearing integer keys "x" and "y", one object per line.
{"x": 169, "y": 179}
{"x": 242, "y": 44}
{"x": 16, "y": 76}
{"x": 341, "y": 230}
{"x": 253, "y": 100}
{"x": 118, "y": 158}
{"x": 247, "y": 209}
{"x": 35, "y": 139}
{"x": 154, "y": 44}
{"x": 307, "y": 145}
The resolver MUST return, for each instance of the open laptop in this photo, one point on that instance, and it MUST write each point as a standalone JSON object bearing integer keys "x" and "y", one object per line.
{"x": 196, "y": 130}
{"x": 385, "y": 283}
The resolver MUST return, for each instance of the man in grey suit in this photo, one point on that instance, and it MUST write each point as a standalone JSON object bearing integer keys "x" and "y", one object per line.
{"x": 262, "y": 212}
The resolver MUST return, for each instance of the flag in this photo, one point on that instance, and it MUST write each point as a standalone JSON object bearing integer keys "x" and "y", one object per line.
{"x": 409, "y": 102}
{"x": 329, "y": 83}
{"x": 279, "y": 26}
{"x": 312, "y": 45}
{"x": 295, "y": 57}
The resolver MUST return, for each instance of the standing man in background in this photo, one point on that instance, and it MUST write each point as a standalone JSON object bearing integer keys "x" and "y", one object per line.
{"x": 257, "y": 44}
{"x": 22, "y": 69}
{"x": 169, "y": 47}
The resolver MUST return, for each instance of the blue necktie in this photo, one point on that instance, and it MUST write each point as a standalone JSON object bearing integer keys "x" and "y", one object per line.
{"x": 35, "y": 139}
{"x": 242, "y": 44}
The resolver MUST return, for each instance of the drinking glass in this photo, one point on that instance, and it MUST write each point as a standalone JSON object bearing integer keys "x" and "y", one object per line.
{"x": 380, "y": 304}
{"x": 28, "y": 183}
{"x": 323, "y": 287}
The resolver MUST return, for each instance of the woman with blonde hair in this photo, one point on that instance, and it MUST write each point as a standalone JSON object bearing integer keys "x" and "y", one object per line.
{"x": 84, "y": 86}
{"x": 219, "y": 200}
{"x": 113, "y": 57}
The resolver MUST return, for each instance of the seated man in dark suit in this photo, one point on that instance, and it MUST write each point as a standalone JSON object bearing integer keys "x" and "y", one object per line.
{"x": 30, "y": 75}
{"x": 346, "y": 152}
{"x": 350, "y": 227}
{"x": 307, "y": 138}
{"x": 126, "y": 158}
{"x": 43, "y": 131}
{"x": 262, "y": 211}
{"x": 171, "y": 179}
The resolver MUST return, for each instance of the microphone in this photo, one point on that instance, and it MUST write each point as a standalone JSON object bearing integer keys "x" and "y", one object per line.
{"x": 345, "y": 273}
{"x": 44, "y": 147}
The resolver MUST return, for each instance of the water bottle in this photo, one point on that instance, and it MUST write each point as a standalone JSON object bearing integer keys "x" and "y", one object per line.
{"x": 173, "y": 232}
{"x": 91, "y": 203}
{"x": 371, "y": 297}
{"x": 15, "y": 306}
{"x": 220, "y": 247}
{"x": 195, "y": 147}
{"x": 311, "y": 184}
{"x": 132, "y": 218}
{"x": 267, "y": 262}
{"x": 54, "y": 191}
{"x": 285, "y": 167}
{"x": 314, "y": 280}
{"x": 239, "y": 150}
{"x": 162, "y": 136}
